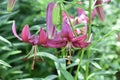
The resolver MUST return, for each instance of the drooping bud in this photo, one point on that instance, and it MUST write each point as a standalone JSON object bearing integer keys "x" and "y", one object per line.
{"x": 10, "y": 5}
{"x": 56, "y": 14}
{"x": 100, "y": 10}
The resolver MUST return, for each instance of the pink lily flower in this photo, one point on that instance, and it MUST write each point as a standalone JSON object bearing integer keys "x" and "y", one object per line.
{"x": 66, "y": 38}
{"x": 34, "y": 40}
{"x": 81, "y": 18}
{"x": 71, "y": 38}
{"x": 28, "y": 38}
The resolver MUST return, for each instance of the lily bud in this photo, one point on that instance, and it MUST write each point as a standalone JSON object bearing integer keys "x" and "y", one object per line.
{"x": 100, "y": 10}
{"x": 56, "y": 14}
{"x": 10, "y": 5}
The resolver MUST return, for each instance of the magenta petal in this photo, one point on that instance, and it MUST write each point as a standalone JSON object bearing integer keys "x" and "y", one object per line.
{"x": 50, "y": 26}
{"x": 14, "y": 31}
{"x": 80, "y": 44}
{"x": 80, "y": 11}
{"x": 33, "y": 39}
{"x": 42, "y": 37}
{"x": 83, "y": 19}
{"x": 80, "y": 38}
{"x": 67, "y": 31}
{"x": 56, "y": 44}
{"x": 65, "y": 17}
{"x": 25, "y": 33}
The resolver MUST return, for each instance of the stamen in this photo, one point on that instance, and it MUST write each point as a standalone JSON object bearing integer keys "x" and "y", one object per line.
{"x": 33, "y": 63}
{"x": 34, "y": 58}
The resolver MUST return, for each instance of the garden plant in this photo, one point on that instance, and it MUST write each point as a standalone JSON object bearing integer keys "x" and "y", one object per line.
{"x": 59, "y": 40}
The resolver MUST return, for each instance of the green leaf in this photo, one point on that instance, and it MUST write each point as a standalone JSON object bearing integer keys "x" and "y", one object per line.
{"x": 48, "y": 55}
{"x": 32, "y": 79}
{"x": 79, "y": 25}
{"x": 101, "y": 73}
{"x": 4, "y": 63}
{"x": 96, "y": 65}
{"x": 72, "y": 65}
{"x": 51, "y": 77}
{"x": 5, "y": 40}
{"x": 66, "y": 74}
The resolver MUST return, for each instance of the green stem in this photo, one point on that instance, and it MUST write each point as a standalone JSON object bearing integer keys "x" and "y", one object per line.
{"x": 63, "y": 52}
{"x": 68, "y": 17}
{"x": 90, "y": 17}
{"x": 87, "y": 66}
{"x": 89, "y": 33}
{"x": 78, "y": 68}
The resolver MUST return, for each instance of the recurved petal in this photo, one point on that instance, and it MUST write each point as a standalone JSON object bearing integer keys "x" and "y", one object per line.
{"x": 80, "y": 11}
{"x": 56, "y": 43}
{"x": 42, "y": 37}
{"x": 90, "y": 39}
{"x": 65, "y": 16}
{"x": 49, "y": 23}
{"x": 25, "y": 35}
{"x": 80, "y": 44}
{"x": 80, "y": 38}
{"x": 67, "y": 31}
{"x": 14, "y": 31}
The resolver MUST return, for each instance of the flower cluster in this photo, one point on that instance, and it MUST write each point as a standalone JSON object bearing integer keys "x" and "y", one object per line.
{"x": 67, "y": 37}
{"x": 73, "y": 34}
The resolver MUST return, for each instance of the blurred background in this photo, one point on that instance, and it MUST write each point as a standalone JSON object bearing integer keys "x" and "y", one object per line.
{"x": 105, "y": 46}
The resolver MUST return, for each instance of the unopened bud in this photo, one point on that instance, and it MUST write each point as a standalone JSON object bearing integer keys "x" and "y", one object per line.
{"x": 100, "y": 10}
{"x": 56, "y": 14}
{"x": 10, "y": 5}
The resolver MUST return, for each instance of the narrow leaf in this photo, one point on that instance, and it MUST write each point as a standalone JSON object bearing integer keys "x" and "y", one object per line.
{"x": 4, "y": 63}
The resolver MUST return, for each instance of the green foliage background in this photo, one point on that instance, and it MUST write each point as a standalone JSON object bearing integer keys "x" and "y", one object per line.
{"x": 105, "y": 48}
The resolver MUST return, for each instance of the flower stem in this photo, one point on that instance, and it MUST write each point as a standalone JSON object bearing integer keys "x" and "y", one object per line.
{"x": 90, "y": 17}
{"x": 68, "y": 17}
{"x": 89, "y": 33}
{"x": 81, "y": 57}
{"x": 87, "y": 66}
